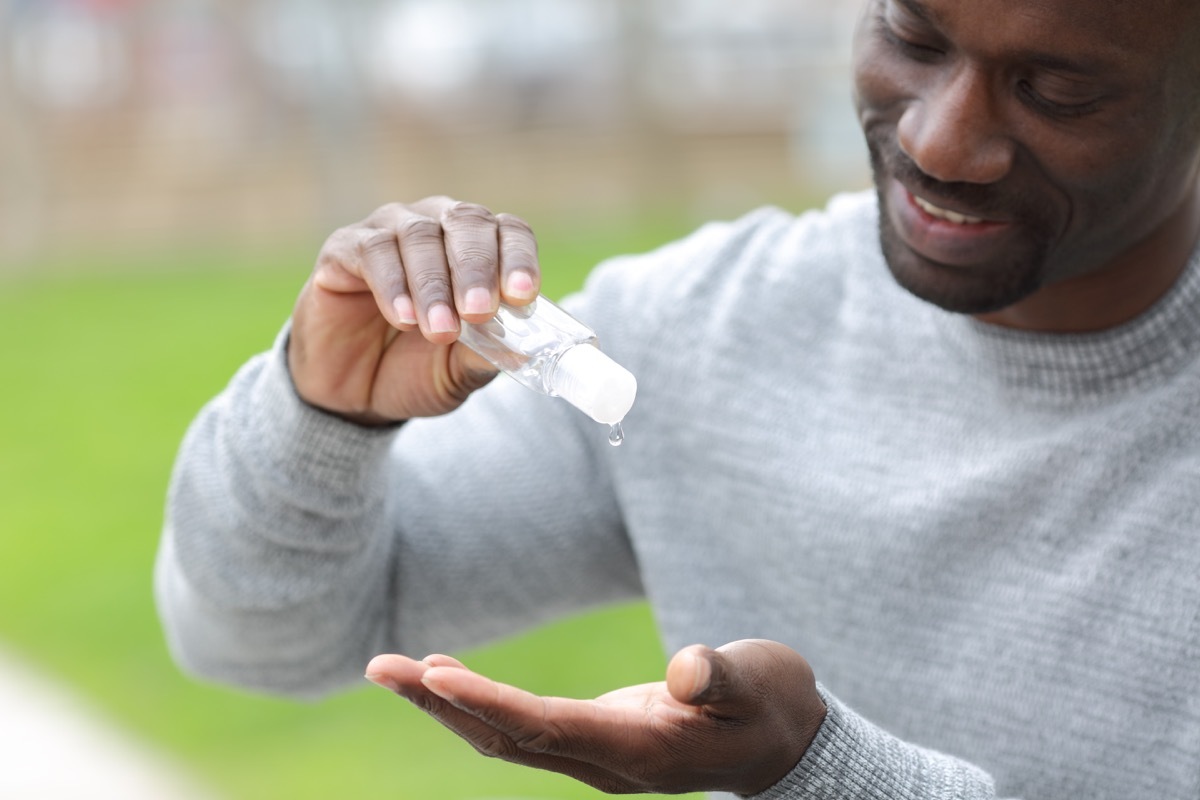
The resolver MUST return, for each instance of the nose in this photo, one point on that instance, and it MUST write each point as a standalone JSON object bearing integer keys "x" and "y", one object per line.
{"x": 952, "y": 131}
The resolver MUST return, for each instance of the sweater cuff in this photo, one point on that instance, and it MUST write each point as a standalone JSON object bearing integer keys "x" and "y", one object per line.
{"x": 306, "y": 446}
{"x": 852, "y": 758}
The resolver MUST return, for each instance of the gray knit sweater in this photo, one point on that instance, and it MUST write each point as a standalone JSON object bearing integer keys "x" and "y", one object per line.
{"x": 986, "y": 542}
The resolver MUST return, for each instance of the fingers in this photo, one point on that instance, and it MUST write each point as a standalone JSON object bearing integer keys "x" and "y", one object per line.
{"x": 404, "y": 676}
{"x": 520, "y": 273}
{"x": 438, "y": 660}
{"x": 612, "y": 737}
{"x": 395, "y": 672}
{"x": 472, "y": 247}
{"x": 383, "y": 271}
{"x": 438, "y": 262}
{"x": 427, "y": 272}
{"x": 520, "y": 716}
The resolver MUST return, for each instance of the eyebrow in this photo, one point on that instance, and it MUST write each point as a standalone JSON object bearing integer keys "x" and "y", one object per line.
{"x": 916, "y": 9}
{"x": 1056, "y": 63}
{"x": 1083, "y": 67}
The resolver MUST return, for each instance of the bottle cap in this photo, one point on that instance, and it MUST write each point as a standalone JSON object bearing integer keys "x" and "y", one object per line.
{"x": 594, "y": 383}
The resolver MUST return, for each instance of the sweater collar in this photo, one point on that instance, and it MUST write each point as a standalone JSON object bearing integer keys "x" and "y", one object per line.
{"x": 1087, "y": 366}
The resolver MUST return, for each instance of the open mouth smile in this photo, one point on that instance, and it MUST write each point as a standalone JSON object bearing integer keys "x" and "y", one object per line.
{"x": 938, "y": 212}
{"x": 945, "y": 236}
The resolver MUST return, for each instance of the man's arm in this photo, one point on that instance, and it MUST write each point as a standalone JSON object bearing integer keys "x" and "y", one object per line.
{"x": 274, "y": 541}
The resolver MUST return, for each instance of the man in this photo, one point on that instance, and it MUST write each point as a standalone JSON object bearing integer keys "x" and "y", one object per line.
{"x": 968, "y": 502}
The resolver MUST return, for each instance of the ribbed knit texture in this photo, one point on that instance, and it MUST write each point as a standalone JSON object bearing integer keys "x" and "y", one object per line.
{"x": 984, "y": 541}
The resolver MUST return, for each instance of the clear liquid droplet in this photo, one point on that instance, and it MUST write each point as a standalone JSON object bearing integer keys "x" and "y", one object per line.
{"x": 616, "y": 435}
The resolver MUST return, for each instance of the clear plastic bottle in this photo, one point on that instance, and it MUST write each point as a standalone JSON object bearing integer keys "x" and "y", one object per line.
{"x": 551, "y": 352}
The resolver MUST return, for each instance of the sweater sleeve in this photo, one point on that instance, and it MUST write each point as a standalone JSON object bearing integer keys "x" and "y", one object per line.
{"x": 270, "y": 532}
{"x": 853, "y": 759}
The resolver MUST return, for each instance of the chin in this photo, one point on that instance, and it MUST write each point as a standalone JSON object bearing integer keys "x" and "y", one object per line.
{"x": 989, "y": 288}
{"x": 1000, "y": 279}
{"x": 959, "y": 297}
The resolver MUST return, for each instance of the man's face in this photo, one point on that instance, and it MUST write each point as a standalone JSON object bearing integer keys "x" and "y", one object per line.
{"x": 1020, "y": 143}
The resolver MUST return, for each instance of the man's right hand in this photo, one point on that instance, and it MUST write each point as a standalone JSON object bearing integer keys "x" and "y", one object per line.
{"x": 375, "y": 329}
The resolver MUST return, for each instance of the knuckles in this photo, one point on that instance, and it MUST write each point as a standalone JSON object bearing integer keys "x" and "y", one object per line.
{"x": 518, "y": 242}
{"x": 372, "y": 242}
{"x": 469, "y": 213}
{"x": 386, "y": 215}
{"x": 435, "y": 201}
{"x": 430, "y": 284}
{"x": 420, "y": 230}
{"x": 514, "y": 223}
{"x": 339, "y": 244}
{"x": 477, "y": 262}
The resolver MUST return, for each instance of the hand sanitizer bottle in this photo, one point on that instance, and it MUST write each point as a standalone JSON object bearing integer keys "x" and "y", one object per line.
{"x": 549, "y": 351}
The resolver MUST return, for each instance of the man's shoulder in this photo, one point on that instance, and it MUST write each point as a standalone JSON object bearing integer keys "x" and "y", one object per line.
{"x": 764, "y": 248}
{"x": 768, "y": 268}
{"x": 843, "y": 219}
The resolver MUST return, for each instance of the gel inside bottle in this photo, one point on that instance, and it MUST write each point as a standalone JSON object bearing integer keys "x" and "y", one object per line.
{"x": 551, "y": 352}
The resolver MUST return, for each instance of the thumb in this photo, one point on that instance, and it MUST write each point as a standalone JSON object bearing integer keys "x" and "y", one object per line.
{"x": 468, "y": 371}
{"x": 690, "y": 674}
{"x": 735, "y": 678}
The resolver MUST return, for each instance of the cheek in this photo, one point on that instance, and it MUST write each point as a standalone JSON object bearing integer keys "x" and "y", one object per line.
{"x": 1119, "y": 151}
{"x": 883, "y": 84}
{"x": 1084, "y": 168}
{"x": 1111, "y": 179}
{"x": 1117, "y": 192}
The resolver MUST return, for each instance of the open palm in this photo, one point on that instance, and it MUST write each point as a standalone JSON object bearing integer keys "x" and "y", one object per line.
{"x": 735, "y": 719}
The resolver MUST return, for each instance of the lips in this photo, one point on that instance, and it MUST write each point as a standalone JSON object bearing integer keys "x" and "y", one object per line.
{"x": 943, "y": 235}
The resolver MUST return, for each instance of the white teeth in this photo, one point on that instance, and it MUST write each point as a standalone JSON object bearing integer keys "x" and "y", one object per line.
{"x": 942, "y": 213}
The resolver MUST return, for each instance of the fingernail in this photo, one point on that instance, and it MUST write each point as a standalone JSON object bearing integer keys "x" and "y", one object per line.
{"x": 478, "y": 300}
{"x": 519, "y": 284}
{"x": 404, "y": 310}
{"x": 702, "y": 675}
{"x": 441, "y": 319}
{"x": 384, "y": 681}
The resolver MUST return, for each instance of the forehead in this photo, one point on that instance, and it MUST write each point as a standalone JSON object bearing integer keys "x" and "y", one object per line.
{"x": 1123, "y": 33}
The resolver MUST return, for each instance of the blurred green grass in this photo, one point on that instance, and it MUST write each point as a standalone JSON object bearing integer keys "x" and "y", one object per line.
{"x": 103, "y": 368}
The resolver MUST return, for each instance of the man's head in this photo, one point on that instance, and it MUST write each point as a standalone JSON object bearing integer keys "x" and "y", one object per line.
{"x": 1023, "y": 144}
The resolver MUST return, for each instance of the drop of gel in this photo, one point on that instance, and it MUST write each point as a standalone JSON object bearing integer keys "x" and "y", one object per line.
{"x": 616, "y": 434}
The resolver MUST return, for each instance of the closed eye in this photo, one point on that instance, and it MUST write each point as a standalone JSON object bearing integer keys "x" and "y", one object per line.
{"x": 1055, "y": 107}
{"x": 910, "y": 48}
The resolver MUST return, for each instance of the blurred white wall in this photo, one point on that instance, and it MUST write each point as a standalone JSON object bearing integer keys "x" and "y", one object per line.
{"x": 189, "y": 120}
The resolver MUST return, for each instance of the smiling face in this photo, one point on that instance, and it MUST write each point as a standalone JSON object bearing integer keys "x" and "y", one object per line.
{"x": 1027, "y": 150}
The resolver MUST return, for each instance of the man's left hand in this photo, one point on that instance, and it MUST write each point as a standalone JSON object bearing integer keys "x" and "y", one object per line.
{"x": 736, "y": 719}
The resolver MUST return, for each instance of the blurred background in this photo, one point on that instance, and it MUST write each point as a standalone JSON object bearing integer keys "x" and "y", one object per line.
{"x": 168, "y": 171}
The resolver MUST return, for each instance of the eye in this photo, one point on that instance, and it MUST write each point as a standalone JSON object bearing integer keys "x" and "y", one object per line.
{"x": 1057, "y": 101}
{"x": 908, "y": 43}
